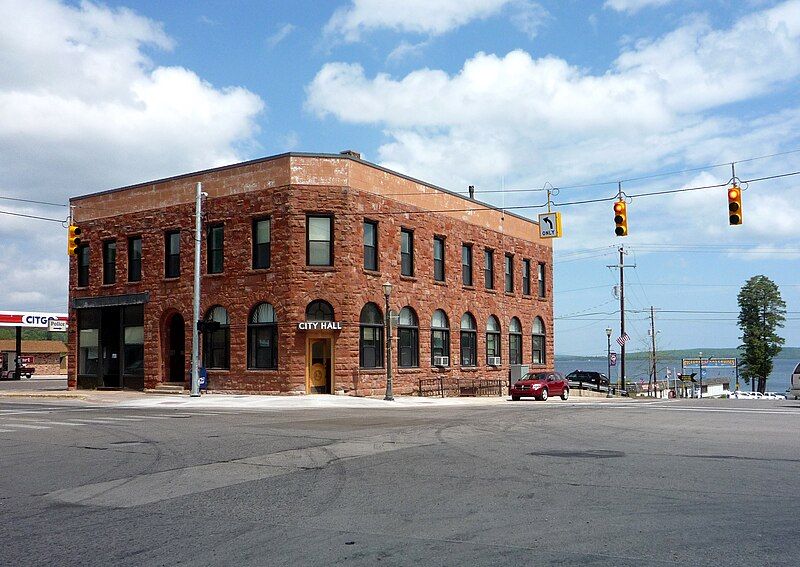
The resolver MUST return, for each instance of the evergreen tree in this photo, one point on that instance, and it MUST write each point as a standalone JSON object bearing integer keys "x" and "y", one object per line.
{"x": 761, "y": 313}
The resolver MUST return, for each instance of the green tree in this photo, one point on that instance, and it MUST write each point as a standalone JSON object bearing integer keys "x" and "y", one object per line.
{"x": 761, "y": 313}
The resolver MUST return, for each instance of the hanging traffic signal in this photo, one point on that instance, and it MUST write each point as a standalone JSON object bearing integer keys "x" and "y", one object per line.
{"x": 73, "y": 239}
{"x": 621, "y": 218}
{"x": 735, "y": 205}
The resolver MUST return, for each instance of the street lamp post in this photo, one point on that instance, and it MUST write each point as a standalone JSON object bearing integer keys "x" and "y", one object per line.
{"x": 608, "y": 361}
{"x": 387, "y": 291}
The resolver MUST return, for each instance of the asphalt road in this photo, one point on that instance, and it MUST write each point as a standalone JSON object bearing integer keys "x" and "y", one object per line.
{"x": 697, "y": 482}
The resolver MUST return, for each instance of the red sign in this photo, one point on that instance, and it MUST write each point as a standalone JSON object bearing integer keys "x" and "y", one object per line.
{"x": 29, "y": 318}
{"x": 25, "y": 360}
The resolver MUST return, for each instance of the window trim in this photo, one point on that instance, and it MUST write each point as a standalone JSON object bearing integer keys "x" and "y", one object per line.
{"x": 441, "y": 261}
{"x": 526, "y": 276}
{"x": 410, "y": 254}
{"x": 109, "y": 276}
{"x": 83, "y": 269}
{"x": 467, "y": 269}
{"x": 373, "y": 247}
{"x": 209, "y": 250}
{"x": 541, "y": 280}
{"x": 168, "y": 255}
{"x": 508, "y": 272}
{"x": 488, "y": 268}
{"x": 256, "y": 244}
{"x": 132, "y": 261}
{"x": 330, "y": 241}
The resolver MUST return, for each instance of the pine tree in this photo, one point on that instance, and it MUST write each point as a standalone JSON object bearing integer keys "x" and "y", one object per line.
{"x": 761, "y": 313}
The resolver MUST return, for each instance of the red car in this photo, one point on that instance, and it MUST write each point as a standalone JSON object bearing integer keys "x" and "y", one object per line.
{"x": 540, "y": 385}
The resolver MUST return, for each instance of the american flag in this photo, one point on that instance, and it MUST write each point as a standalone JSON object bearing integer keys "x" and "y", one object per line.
{"x": 623, "y": 338}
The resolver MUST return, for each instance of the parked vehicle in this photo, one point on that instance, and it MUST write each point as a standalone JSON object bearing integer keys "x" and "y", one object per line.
{"x": 741, "y": 395}
{"x": 794, "y": 388}
{"x": 774, "y": 396}
{"x": 24, "y": 372}
{"x": 579, "y": 378}
{"x": 540, "y": 385}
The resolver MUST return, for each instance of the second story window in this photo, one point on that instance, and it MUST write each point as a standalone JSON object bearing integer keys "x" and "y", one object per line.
{"x": 438, "y": 258}
{"x": 172, "y": 254}
{"x": 466, "y": 264}
{"x": 541, "y": 280}
{"x": 216, "y": 249}
{"x": 319, "y": 240}
{"x": 509, "y": 273}
{"x": 261, "y": 243}
{"x": 135, "y": 259}
{"x": 109, "y": 262}
{"x": 526, "y": 277}
{"x": 370, "y": 245}
{"x": 83, "y": 265}
{"x": 406, "y": 252}
{"x": 489, "y": 268}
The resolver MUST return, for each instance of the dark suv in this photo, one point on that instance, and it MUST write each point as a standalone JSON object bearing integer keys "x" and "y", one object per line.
{"x": 580, "y": 377}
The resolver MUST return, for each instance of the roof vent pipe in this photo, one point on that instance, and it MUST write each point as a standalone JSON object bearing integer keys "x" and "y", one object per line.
{"x": 472, "y": 192}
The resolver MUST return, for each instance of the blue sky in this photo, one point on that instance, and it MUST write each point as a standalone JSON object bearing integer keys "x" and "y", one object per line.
{"x": 506, "y": 94}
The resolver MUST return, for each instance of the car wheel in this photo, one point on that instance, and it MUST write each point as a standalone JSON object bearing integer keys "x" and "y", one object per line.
{"x": 565, "y": 394}
{"x": 515, "y": 398}
{"x": 543, "y": 395}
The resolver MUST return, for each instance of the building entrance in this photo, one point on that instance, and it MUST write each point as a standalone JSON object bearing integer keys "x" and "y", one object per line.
{"x": 319, "y": 365}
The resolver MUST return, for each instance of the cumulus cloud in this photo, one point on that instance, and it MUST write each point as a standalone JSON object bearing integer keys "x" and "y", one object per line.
{"x": 83, "y": 108}
{"x": 427, "y": 17}
{"x": 664, "y": 102}
{"x": 633, "y": 6}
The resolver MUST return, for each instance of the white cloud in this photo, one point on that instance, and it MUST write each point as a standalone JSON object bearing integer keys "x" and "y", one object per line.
{"x": 83, "y": 108}
{"x": 633, "y": 6}
{"x": 664, "y": 103}
{"x": 426, "y": 16}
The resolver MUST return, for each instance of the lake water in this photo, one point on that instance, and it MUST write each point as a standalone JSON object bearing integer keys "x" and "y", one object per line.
{"x": 638, "y": 370}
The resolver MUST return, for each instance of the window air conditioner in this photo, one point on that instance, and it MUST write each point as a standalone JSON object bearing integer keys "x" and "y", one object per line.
{"x": 441, "y": 361}
{"x": 494, "y": 361}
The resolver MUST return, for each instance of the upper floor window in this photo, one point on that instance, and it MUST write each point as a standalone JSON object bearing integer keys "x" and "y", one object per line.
{"x": 216, "y": 248}
{"x": 509, "y": 273}
{"x": 466, "y": 264}
{"x": 83, "y": 265}
{"x": 319, "y": 240}
{"x": 407, "y": 338}
{"x": 262, "y": 337}
{"x": 261, "y": 243}
{"x": 526, "y": 277}
{"x": 407, "y": 252}
{"x": 488, "y": 271}
{"x": 109, "y": 261}
{"x": 172, "y": 254}
{"x": 135, "y": 259}
{"x": 438, "y": 258}
{"x": 541, "y": 280}
{"x": 370, "y": 245}
{"x": 370, "y": 343}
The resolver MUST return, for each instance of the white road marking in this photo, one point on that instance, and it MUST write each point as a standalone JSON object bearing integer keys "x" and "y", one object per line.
{"x": 735, "y": 410}
{"x": 24, "y": 426}
{"x": 41, "y": 421}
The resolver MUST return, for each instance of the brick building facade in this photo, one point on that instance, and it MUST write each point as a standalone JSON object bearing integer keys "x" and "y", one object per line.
{"x": 302, "y": 244}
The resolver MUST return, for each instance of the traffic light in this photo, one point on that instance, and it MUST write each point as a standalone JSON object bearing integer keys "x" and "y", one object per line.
{"x": 621, "y": 218}
{"x": 735, "y": 205}
{"x": 73, "y": 239}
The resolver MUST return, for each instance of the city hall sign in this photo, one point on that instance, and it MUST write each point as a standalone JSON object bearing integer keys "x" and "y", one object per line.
{"x": 319, "y": 326}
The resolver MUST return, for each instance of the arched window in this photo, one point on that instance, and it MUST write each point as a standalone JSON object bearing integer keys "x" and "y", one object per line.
{"x": 370, "y": 342}
{"x": 469, "y": 340}
{"x": 537, "y": 342}
{"x": 262, "y": 337}
{"x": 440, "y": 338}
{"x": 407, "y": 338}
{"x": 492, "y": 341}
{"x": 216, "y": 341}
{"x": 319, "y": 310}
{"x": 514, "y": 341}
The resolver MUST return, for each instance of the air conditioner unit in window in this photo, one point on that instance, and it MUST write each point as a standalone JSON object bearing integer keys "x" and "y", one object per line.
{"x": 441, "y": 361}
{"x": 494, "y": 361}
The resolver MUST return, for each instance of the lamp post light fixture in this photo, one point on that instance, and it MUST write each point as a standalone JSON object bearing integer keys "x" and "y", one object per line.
{"x": 608, "y": 361}
{"x": 387, "y": 291}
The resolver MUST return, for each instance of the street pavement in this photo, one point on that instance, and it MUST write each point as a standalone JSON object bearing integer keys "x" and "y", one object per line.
{"x": 490, "y": 482}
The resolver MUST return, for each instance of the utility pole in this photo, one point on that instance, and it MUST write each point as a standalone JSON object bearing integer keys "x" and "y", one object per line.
{"x": 621, "y": 266}
{"x": 198, "y": 236}
{"x": 653, "y": 377}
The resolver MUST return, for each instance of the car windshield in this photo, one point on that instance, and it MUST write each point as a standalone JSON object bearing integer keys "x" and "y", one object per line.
{"x": 535, "y": 376}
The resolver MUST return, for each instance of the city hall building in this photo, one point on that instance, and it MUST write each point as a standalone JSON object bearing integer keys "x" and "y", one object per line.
{"x": 295, "y": 251}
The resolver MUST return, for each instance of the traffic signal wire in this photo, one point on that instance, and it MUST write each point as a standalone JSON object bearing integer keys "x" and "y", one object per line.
{"x": 60, "y": 221}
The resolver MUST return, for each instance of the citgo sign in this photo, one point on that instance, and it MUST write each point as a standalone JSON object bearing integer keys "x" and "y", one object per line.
{"x": 30, "y": 318}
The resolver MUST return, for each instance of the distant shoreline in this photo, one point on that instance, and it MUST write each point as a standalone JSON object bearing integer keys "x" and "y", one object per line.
{"x": 789, "y": 353}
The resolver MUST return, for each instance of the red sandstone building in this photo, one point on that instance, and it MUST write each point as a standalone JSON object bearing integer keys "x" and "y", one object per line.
{"x": 296, "y": 248}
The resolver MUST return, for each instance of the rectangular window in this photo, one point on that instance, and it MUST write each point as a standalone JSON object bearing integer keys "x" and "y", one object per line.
{"x": 488, "y": 268}
{"x": 406, "y": 252}
{"x": 88, "y": 342}
{"x": 261, "y": 242}
{"x": 135, "y": 259}
{"x": 133, "y": 340}
{"x": 438, "y": 258}
{"x": 526, "y": 277}
{"x": 466, "y": 264}
{"x": 319, "y": 240}
{"x": 172, "y": 254}
{"x": 109, "y": 261}
{"x": 216, "y": 249}
{"x": 541, "y": 280}
{"x": 83, "y": 265}
{"x": 370, "y": 245}
{"x": 509, "y": 273}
